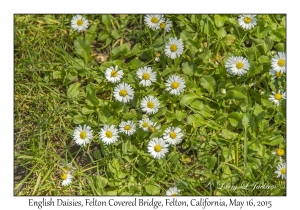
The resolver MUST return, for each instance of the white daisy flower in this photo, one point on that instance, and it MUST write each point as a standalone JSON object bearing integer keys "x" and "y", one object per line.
{"x": 109, "y": 134}
{"x": 175, "y": 84}
{"x": 157, "y": 148}
{"x": 123, "y": 92}
{"x": 153, "y": 21}
{"x": 146, "y": 75}
{"x": 79, "y": 23}
{"x": 167, "y": 25}
{"x": 173, "y": 135}
{"x": 278, "y": 62}
{"x": 82, "y": 135}
{"x": 247, "y": 22}
{"x": 154, "y": 126}
{"x": 127, "y": 127}
{"x": 174, "y": 48}
{"x": 150, "y": 104}
{"x": 145, "y": 123}
{"x": 173, "y": 191}
{"x": 113, "y": 74}
{"x": 157, "y": 57}
{"x": 237, "y": 65}
{"x": 281, "y": 171}
{"x": 275, "y": 73}
{"x": 277, "y": 97}
{"x": 67, "y": 178}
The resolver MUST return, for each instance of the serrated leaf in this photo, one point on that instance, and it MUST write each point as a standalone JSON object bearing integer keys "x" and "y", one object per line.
{"x": 73, "y": 90}
{"x": 208, "y": 82}
{"x": 227, "y": 134}
{"x": 152, "y": 189}
{"x": 82, "y": 49}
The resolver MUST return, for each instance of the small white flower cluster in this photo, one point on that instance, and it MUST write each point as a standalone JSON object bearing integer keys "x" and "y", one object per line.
{"x": 158, "y": 21}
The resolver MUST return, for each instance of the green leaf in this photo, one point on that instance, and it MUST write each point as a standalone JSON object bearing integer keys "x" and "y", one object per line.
{"x": 152, "y": 189}
{"x": 91, "y": 34}
{"x": 103, "y": 35}
{"x": 79, "y": 119}
{"x": 92, "y": 100}
{"x": 82, "y": 49}
{"x": 211, "y": 162}
{"x": 227, "y": 134}
{"x": 135, "y": 64}
{"x": 97, "y": 154}
{"x": 57, "y": 74}
{"x": 219, "y": 20}
{"x": 246, "y": 120}
{"x": 237, "y": 92}
{"x": 87, "y": 111}
{"x": 115, "y": 34}
{"x": 235, "y": 119}
{"x": 73, "y": 90}
{"x": 188, "y": 98}
{"x": 180, "y": 115}
{"x": 264, "y": 59}
{"x": 272, "y": 140}
{"x": 196, "y": 120}
{"x": 106, "y": 19}
{"x": 261, "y": 31}
{"x": 208, "y": 82}
{"x": 229, "y": 39}
{"x": 167, "y": 71}
{"x": 188, "y": 68}
{"x": 280, "y": 47}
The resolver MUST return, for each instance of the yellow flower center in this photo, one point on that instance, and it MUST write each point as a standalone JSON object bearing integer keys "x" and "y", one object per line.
{"x": 278, "y": 96}
{"x": 283, "y": 171}
{"x": 281, "y": 62}
{"x": 152, "y": 129}
{"x": 157, "y": 148}
{"x": 108, "y": 134}
{"x": 150, "y": 105}
{"x": 173, "y": 135}
{"x": 162, "y": 25}
{"x": 154, "y": 20}
{"x": 146, "y": 76}
{"x": 82, "y": 134}
{"x": 79, "y": 22}
{"x": 278, "y": 73}
{"x": 127, "y": 128}
{"x": 123, "y": 93}
{"x": 63, "y": 176}
{"x": 145, "y": 124}
{"x": 239, "y": 65}
{"x": 173, "y": 47}
{"x": 280, "y": 152}
{"x": 157, "y": 54}
{"x": 247, "y": 20}
{"x": 174, "y": 85}
{"x": 114, "y": 73}
{"x": 174, "y": 194}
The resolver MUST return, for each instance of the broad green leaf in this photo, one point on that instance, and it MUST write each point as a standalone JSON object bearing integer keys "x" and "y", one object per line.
{"x": 196, "y": 120}
{"x": 82, "y": 49}
{"x": 180, "y": 115}
{"x": 87, "y": 111}
{"x": 135, "y": 64}
{"x": 261, "y": 31}
{"x": 115, "y": 34}
{"x": 219, "y": 20}
{"x": 229, "y": 39}
{"x": 79, "y": 119}
{"x": 211, "y": 162}
{"x": 272, "y": 140}
{"x": 152, "y": 189}
{"x": 237, "y": 92}
{"x": 280, "y": 47}
{"x": 246, "y": 120}
{"x": 97, "y": 154}
{"x": 208, "y": 82}
{"x": 73, "y": 90}
{"x": 167, "y": 71}
{"x": 91, "y": 99}
{"x": 188, "y": 98}
{"x": 106, "y": 19}
{"x": 57, "y": 74}
{"x": 90, "y": 34}
{"x": 235, "y": 119}
{"x": 227, "y": 134}
{"x": 264, "y": 59}
{"x": 103, "y": 35}
{"x": 188, "y": 68}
